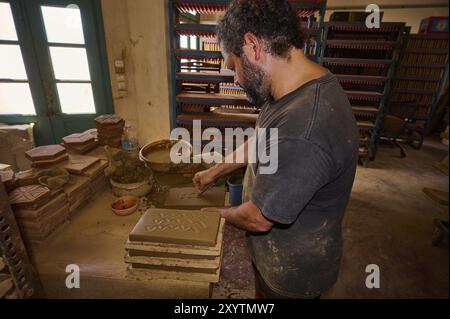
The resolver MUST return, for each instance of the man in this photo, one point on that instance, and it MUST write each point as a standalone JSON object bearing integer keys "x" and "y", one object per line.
{"x": 293, "y": 217}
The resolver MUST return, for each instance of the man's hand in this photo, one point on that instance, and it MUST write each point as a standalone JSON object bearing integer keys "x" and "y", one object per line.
{"x": 247, "y": 217}
{"x": 204, "y": 180}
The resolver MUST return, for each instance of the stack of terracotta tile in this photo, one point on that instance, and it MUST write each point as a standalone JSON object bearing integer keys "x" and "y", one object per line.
{"x": 78, "y": 191}
{"x": 46, "y": 156}
{"x": 8, "y": 179}
{"x": 97, "y": 178}
{"x": 39, "y": 211}
{"x": 81, "y": 143}
{"x": 176, "y": 244}
{"x": 109, "y": 130}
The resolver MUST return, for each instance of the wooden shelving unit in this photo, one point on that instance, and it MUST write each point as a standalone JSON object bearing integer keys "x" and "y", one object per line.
{"x": 419, "y": 81}
{"x": 202, "y": 88}
{"x": 364, "y": 61}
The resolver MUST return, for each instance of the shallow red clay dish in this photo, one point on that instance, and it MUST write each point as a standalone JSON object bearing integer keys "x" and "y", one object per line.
{"x": 125, "y": 205}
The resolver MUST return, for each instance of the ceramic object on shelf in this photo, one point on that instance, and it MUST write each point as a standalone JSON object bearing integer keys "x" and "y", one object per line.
{"x": 125, "y": 205}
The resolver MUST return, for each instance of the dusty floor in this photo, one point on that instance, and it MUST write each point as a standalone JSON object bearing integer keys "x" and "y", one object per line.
{"x": 389, "y": 222}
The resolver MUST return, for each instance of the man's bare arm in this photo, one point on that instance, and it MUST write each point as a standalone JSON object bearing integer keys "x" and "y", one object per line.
{"x": 204, "y": 179}
{"x": 246, "y": 216}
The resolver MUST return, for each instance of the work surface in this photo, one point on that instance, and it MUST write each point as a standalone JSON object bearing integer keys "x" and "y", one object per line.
{"x": 94, "y": 240}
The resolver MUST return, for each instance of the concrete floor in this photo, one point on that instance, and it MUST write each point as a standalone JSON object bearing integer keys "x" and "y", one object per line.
{"x": 389, "y": 222}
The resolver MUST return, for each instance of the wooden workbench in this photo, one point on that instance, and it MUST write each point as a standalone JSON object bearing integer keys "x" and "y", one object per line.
{"x": 94, "y": 240}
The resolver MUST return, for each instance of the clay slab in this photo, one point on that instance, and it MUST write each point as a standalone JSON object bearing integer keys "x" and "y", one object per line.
{"x": 78, "y": 164}
{"x": 99, "y": 152}
{"x": 34, "y": 234}
{"x": 108, "y": 119}
{"x": 83, "y": 148}
{"x": 93, "y": 132}
{"x": 109, "y": 131}
{"x": 50, "y": 163}
{"x": 96, "y": 169}
{"x": 150, "y": 274}
{"x": 177, "y": 227}
{"x": 41, "y": 212}
{"x": 144, "y": 248}
{"x": 79, "y": 139}
{"x": 80, "y": 201}
{"x": 29, "y": 196}
{"x": 187, "y": 198}
{"x": 43, "y": 153}
{"x": 139, "y": 253}
{"x": 78, "y": 187}
{"x": 46, "y": 226}
{"x": 175, "y": 268}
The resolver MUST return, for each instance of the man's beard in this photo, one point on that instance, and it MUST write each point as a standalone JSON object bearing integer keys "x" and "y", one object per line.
{"x": 256, "y": 82}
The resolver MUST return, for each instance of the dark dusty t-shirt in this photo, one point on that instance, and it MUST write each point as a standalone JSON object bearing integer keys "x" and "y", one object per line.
{"x": 307, "y": 196}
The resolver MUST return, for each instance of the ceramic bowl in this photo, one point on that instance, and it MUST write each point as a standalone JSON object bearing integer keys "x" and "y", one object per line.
{"x": 162, "y": 166}
{"x": 135, "y": 189}
{"x": 125, "y": 205}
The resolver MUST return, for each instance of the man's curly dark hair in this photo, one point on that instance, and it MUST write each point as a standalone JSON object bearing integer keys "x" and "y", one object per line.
{"x": 274, "y": 21}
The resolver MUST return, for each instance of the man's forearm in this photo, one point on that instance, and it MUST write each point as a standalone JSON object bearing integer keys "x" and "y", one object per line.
{"x": 234, "y": 161}
{"x": 247, "y": 217}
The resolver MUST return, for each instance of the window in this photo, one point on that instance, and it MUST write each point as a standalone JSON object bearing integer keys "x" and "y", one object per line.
{"x": 15, "y": 93}
{"x": 53, "y": 67}
{"x": 64, "y": 30}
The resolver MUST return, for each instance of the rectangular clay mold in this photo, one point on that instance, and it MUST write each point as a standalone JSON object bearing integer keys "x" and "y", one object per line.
{"x": 177, "y": 227}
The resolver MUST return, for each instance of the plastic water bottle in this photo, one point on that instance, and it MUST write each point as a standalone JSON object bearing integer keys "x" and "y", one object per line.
{"x": 130, "y": 142}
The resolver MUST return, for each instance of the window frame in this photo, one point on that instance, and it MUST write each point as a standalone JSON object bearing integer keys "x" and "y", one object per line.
{"x": 36, "y": 55}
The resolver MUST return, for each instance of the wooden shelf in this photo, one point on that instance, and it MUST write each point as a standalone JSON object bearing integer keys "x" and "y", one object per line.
{"x": 303, "y": 7}
{"x": 195, "y": 29}
{"x": 424, "y": 65}
{"x": 210, "y": 98}
{"x": 368, "y": 94}
{"x": 365, "y": 78}
{"x": 427, "y": 51}
{"x": 364, "y": 109}
{"x": 198, "y": 54}
{"x": 361, "y": 44}
{"x": 357, "y": 62}
{"x": 188, "y": 87}
{"x": 363, "y": 152}
{"x": 205, "y": 77}
{"x": 218, "y": 119}
{"x": 365, "y": 124}
{"x": 209, "y": 30}
{"x": 418, "y": 78}
{"x": 356, "y": 26}
{"x": 415, "y": 91}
